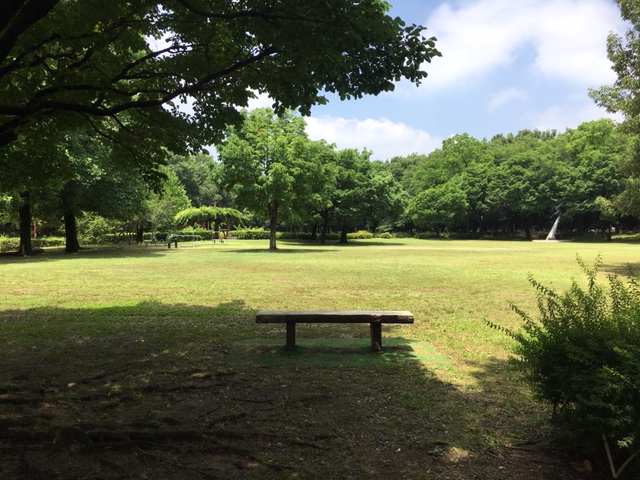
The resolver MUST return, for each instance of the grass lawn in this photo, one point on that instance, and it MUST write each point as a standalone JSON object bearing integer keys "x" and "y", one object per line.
{"x": 146, "y": 362}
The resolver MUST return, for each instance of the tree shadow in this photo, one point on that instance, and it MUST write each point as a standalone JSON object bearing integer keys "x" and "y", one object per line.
{"x": 50, "y": 254}
{"x": 279, "y": 250}
{"x": 186, "y": 391}
{"x": 623, "y": 269}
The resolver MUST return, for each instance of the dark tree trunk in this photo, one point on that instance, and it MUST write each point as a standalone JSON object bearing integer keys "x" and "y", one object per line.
{"x": 139, "y": 233}
{"x": 70, "y": 233}
{"x": 314, "y": 232}
{"x": 273, "y": 223}
{"x": 343, "y": 235}
{"x": 24, "y": 212}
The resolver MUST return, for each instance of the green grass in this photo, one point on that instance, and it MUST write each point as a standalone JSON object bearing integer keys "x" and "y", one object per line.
{"x": 450, "y": 286}
{"x": 440, "y": 393}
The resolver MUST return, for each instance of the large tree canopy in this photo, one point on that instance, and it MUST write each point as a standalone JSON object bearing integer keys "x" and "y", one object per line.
{"x": 72, "y": 61}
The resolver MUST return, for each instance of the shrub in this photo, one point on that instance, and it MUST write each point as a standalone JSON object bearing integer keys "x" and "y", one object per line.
{"x": 251, "y": 234}
{"x": 8, "y": 244}
{"x": 360, "y": 235}
{"x": 204, "y": 233}
{"x": 582, "y": 355}
{"x": 385, "y": 235}
{"x": 42, "y": 242}
{"x": 94, "y": 229}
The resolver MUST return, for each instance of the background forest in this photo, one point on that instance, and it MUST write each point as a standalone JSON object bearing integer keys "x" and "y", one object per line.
{"x": 508, "y": 185}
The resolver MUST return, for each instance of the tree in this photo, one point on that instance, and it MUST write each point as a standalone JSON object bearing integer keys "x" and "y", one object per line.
{"x": 92, "y": 183}
{"x": 624, "y": 54}
{"x": 438, "y": 208}
{"x": 196, "y": 173}
{"x": 162, "y": 206}
{"x": 350, "y": 195}
{"x": 523, "y": 186}
{"x": 270, "y": 165}
{"x": 624, "y": 97}
{"x": 593, "y": 153}
{"x": 72, "y": 62}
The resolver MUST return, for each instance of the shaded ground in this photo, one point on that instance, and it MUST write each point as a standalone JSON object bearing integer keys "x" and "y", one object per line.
{"x": 119, "y": 407}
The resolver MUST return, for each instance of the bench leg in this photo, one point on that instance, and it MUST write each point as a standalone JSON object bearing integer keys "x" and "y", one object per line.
{"x": 376, "y": 337}
{"x": 291, "y": 336}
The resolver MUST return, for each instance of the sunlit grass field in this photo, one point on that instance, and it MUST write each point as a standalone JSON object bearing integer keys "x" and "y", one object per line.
{"x": 451, "y": 287}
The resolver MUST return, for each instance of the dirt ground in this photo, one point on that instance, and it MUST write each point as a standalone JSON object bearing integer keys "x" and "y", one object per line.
{"x": 129, "y": 410}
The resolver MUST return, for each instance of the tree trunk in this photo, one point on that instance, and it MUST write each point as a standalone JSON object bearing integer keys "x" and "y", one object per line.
{"x": 139, "y": 233}
{"x": 273, "y": 223}
{"x": 343, "y": 235}
{"x": 70, "y": 232}
{"x": 24, "y": 212}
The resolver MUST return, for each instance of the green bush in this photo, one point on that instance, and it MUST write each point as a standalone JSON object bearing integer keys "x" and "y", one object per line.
{"x": 582, "y": 355}
{"x": 251, "y": 234}
{"x": 94, "y": 229}
{"x": 42, "y": 242}
{"x": 8, "y": 244}
{"x": 360, "y": 235}
{"x": 204, "y": 233}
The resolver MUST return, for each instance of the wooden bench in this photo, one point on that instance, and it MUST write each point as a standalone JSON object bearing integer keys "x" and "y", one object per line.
{"x": 375, "y": 319}
{"x": 180, "y": 237}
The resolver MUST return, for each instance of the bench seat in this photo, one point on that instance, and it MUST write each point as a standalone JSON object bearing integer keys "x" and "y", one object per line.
{"x": 375, "y": 319}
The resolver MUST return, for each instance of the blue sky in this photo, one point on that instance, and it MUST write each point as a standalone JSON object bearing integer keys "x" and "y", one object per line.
{"x": 507, "y": 65}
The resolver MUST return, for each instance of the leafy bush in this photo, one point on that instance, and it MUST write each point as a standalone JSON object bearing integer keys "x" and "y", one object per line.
{"x": 94, "y": 229}
{"x": 42, "y": 242}
{"x": 204, "y": 233}
{"x": 251, "y": 234}
{"x": 385, "y": 235}
{"x": 360, "y": 235}
{"x": 8, "y": 244}
{"x": 582, "y": 355}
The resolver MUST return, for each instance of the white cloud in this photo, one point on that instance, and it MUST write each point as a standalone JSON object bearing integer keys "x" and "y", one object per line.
{"x": 568, "y": 38}
{"x": 506, "y": 96}
{"x": 262, "y": 100}
{"x": 560, "y": 117}
{"x": 383, "y": 137}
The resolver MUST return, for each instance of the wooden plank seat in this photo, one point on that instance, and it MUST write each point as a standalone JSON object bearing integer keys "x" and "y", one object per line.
{"x": 375, "y": 319}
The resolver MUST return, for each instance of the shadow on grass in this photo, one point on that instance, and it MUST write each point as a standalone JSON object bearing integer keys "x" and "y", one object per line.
{"x": 174, "y": 391}
{"x": 623, "y": 270}
{"x": 57, "y": 254}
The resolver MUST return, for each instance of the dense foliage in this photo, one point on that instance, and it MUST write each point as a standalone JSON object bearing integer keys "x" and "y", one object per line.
{"x": 509, "y": 185}
{"x": 582, "y": 355}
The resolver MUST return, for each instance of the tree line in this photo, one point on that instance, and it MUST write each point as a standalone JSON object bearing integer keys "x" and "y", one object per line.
{"x": 268, "y": 173}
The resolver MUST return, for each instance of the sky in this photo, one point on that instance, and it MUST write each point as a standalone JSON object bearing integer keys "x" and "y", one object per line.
{"x": 506, "y": 65}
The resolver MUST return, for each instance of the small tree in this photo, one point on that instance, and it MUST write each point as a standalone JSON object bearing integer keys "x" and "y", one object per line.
{"x": 273, "y": 167}
{"x": 582, "y": 355}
